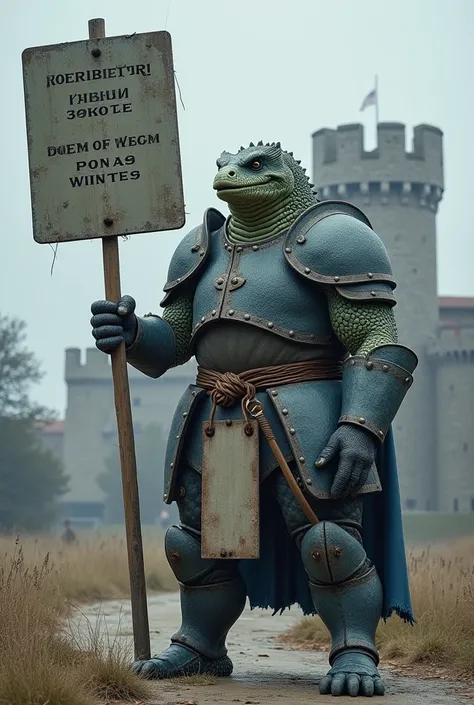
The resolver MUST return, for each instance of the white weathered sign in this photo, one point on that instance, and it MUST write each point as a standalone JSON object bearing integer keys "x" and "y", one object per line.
{"x": 103, "y": 138}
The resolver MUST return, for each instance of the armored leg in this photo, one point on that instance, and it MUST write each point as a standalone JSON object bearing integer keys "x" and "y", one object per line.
{"x": 345, "y": 587}
{"x": 212, "y": 598}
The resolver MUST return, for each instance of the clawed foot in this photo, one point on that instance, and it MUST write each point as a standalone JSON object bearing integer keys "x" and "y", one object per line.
{"x": 178, "y": 661}
{"x": 352, "y": 674}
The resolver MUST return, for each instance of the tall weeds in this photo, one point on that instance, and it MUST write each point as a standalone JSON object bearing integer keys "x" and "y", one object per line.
{"x": 95, "y": 568}
{"x": 44, "y": 658}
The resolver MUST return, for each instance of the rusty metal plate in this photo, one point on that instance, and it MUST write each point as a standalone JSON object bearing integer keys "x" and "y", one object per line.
{"x": 103, "y": 141}
{"x": 230, "y": 492}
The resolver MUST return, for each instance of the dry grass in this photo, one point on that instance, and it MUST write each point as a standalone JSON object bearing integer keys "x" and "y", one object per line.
{"x": 45, "y": 659}
{"x": 96, "y": 567}
{"x": 442, "y": 587}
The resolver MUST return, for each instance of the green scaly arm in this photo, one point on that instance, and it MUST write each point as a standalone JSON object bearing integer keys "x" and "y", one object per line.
{"x": 361, "y": 327}
{"x": 179, "y": 315}
{"x": 377, "y": 377}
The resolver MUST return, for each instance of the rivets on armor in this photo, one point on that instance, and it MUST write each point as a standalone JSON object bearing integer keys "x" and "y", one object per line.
{"x": 177, "y": 437}
{"x": 231, "y": 312}
{"x": 373, "y": 293}
{"x": 178, "y": 280}
{"x": 300, "y": 239}
{"x": 235, "y": 280}
{"x": 385, "y": 368}
{"x": 288, "y": 250}
{"x": 201, "y": 253}
{"x": 312, "y": 336}
{"x": 185, "y": 414}
{"x": 309, "y": 481}
{"x": 246, "y": 316}
{"x": 292, "y": 431}
{"x": 165, "y": 497}
{"x": 255, "y": 248}
{"x": 370, "y": 275}
{"x": 336, "y": 278}
{"x": 407, "y": 380}
{"x": 239, "y": 249}
{"x": 352, "y": 362}
{"x": 193, "y": 394}
{"x": 274, "y": 393}
{"x": 381, "y": 434}
{"x": 291, "y": 333}
{"x": 195, "y": 248}
{"x": 270, "y": 324}
{"x": 284, "y": 412}
{"x": 203, "y": 319}
{"x": 175, "y": 557}
{"x": 316, "y": 556}
{"x": 171, "y": 465}
{"x": 369, "y": 365}
{"x": 213, "y": 312}
{"x": 182, "y": 492}
{"x": 228, "y": 422}
{"x": 361, "y": 420}
{"x": 301, "y": 459}
{"x": 220, "y": 281}
{"x": 223, "y": 554}
{"x": 337, "y": 551}
{"x": 307, "y": 270}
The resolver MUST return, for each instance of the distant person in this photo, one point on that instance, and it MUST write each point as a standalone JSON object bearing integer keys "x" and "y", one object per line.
{"x": 69, "y": 536}
{"x": 164, "y": 519}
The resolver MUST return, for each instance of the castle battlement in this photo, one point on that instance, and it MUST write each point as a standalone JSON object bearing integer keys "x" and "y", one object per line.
{"x": 339, "y": 159}
{"x": 97, "y": 367}
{"x": 453, "y": 345}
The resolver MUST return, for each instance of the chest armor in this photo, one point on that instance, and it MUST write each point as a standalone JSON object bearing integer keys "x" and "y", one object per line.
{"x": 254, "y": 285}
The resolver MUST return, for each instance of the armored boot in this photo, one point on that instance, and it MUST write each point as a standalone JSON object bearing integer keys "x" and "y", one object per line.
{"x": 347, "y": 595}
{"x": 212, "y": 599}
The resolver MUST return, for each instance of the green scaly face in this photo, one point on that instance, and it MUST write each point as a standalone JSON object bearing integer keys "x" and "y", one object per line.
{"x": 254, "y": 175}
{"x": 266, "y": 190}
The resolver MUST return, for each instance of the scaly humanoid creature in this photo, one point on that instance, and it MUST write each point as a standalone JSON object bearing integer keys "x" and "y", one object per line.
{"x": 294, "y": 297}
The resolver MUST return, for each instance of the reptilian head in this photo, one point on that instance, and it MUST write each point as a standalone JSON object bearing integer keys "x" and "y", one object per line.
{"x": 259, "y": 173}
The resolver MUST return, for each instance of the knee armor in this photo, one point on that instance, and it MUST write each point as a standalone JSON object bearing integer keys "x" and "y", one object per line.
{"x": 346, "y": 589}
{"x": 212, "y": 594}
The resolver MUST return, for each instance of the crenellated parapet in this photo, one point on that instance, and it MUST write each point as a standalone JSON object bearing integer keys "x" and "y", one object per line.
{"x": 343, "y": 169}
{"x": 97, "y": 368}
{"x": 453, "y": 346}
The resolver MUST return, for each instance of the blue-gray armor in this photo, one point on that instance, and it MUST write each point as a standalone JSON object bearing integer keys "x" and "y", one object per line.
{"x": 256, "y": 306}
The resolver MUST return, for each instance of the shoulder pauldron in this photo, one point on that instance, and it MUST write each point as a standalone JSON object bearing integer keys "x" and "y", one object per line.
{"x": 333, "y": 243}
{"x": 191, "y": 254}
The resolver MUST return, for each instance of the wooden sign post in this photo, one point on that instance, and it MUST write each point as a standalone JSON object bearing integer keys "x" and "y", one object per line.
{"x": 104, "y": 161}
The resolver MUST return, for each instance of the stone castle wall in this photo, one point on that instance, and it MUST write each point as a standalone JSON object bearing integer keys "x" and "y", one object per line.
{"x": 90, "y": 425}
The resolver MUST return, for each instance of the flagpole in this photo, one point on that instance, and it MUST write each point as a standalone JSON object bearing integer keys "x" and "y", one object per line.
{"x": 376, "y": 107}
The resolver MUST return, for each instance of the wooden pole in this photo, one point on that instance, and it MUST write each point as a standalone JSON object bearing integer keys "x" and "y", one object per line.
{"x": 141, "y": 631}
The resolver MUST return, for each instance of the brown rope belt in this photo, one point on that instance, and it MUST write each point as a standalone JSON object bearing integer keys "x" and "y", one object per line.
{"x": 227, "y": 389}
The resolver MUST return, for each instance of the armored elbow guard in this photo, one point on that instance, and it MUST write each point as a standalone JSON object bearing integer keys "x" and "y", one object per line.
{"x": 374, "y": 386}
{"x": 153, "y": 351}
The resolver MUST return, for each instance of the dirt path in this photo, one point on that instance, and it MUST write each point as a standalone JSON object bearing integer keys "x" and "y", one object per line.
{"x": 264, "y": 672}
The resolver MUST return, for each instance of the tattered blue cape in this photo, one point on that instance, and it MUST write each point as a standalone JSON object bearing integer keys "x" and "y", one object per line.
{"x": 278, "y": 579}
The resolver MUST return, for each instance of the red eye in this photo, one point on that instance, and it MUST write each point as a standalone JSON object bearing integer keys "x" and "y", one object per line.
{"x": 256, "y": 164}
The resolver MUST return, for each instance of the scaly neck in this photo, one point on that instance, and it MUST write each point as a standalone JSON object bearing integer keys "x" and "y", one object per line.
{"x": 257, "y": 223}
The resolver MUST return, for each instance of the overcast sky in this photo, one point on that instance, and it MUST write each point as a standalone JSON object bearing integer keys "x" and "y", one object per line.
{"x": 248, "y": 70}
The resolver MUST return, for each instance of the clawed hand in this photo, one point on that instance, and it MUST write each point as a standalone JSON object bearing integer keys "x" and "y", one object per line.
{"x": 113, "y": 323}
{"x": 356, "y": 449}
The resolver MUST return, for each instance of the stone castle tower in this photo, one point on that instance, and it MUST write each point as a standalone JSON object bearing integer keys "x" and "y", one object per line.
{"x": 400, "y": 192}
